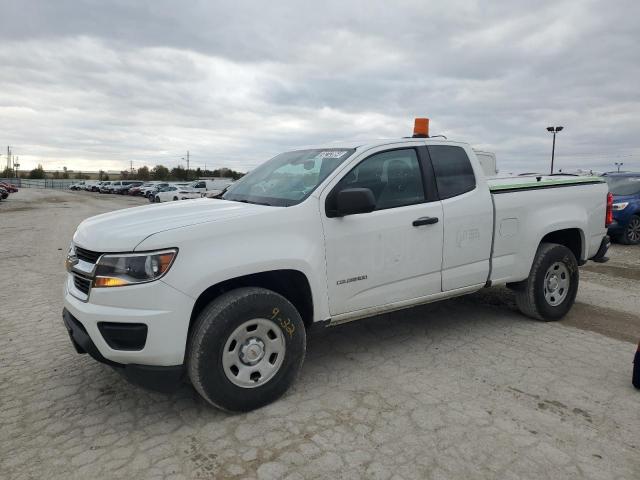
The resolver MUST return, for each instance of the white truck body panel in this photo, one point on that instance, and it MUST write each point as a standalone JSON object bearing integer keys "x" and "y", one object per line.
{"x": 400, "y": 261}
{"x": 394, "y": 264}
{"x": 468, "y": 229}
{"x": 523, "y": 218}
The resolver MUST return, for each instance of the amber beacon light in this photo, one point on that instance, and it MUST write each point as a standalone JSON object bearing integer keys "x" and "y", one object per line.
{"x": 421, "y": 128}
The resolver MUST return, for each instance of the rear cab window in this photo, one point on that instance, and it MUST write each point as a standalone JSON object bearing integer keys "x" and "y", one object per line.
{"x": 453, "y": 170}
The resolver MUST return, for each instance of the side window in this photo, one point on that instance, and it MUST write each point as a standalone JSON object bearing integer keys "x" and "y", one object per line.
{"x": 454, "y": 174}
{"x": 201, "y": 185}
{"x": 394, "y": 177}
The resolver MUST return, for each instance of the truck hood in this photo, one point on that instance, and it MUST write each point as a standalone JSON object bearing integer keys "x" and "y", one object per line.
{"x": 123, "y": 230}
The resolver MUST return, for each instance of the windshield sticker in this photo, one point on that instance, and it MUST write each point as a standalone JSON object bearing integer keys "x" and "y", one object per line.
{"x": 331, "y": 154}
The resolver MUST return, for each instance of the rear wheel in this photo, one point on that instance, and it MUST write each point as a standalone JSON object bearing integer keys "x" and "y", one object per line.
{"x": 550, "y": 291}
{"x": 631, "y": 234}
{"x": 157, "y": 199}
{"x": 246, "y": 349}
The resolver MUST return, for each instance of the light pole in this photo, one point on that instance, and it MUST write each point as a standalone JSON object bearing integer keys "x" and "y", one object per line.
{"x": 553, "y": 130}
{"x": 618, "y": 164}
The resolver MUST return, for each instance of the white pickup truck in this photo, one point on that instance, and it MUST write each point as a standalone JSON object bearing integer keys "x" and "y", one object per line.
{"x": 222, "y": 292}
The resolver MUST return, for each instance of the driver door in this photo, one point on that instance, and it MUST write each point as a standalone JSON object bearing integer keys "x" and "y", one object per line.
{"x": 391, "y": 254}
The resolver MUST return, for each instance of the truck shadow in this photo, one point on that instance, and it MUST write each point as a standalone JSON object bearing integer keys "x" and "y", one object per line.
{"x": 336, "y": 352}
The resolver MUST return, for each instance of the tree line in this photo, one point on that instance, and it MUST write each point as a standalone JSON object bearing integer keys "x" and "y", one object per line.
{"x": 159, "y": 172}
{"x": 179, "y": 173}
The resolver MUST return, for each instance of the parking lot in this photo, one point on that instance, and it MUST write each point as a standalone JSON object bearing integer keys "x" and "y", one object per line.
{"x": 465, "y": 388}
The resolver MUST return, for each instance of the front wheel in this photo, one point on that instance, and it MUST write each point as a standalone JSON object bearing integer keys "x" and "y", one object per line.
{"x": 246, "y": 349}
{"x": 550, "y": 291}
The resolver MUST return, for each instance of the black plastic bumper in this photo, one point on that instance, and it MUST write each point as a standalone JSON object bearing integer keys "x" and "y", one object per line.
{"x": 160, "y": 379}
{"x": 600, "y": 257}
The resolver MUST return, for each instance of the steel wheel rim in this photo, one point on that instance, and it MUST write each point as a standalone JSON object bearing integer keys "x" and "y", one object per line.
{"x": 556, "y": 284}
{"x": 253, "y": 353}
{"x": 633, "y": 233}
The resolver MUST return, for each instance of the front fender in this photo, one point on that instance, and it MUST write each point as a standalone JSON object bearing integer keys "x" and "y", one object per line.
{"x": 280, "y": 239}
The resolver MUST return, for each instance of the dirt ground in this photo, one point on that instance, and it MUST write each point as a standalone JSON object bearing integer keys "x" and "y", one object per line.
{"x": 465, "y": 388}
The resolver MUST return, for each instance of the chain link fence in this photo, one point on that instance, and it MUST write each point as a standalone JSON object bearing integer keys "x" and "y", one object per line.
{"x": 56, "y": 183}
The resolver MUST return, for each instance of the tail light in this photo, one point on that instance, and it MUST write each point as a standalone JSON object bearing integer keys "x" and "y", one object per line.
{"x": 609, "y": 216}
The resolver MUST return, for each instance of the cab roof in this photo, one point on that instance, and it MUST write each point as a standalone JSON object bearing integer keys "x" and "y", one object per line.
{"x": 373, "y": 143}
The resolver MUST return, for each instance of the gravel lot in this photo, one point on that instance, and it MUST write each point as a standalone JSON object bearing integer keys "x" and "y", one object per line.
{"x": 466, "y": 388}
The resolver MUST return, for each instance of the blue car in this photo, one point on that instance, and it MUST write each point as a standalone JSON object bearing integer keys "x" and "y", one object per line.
{"x": 626, "y": 207}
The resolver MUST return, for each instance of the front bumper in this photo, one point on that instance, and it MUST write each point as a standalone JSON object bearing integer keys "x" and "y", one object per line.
{"x": 165, "y": 311}
{"x": 159, "y": 378}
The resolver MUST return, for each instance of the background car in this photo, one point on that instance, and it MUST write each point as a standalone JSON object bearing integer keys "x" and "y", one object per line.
{"x": 3, "y": 193}
{"x": 9, "y": 187}
{"x": 625, "y": 188}
{"x": 167, "y": 194}
{"x": 92, "y": 185}
{"x": 111, "y": 188}
{"x": 77, "y": 186}
{"x": 151, "y": 190}
{"x": 136, "y": 190}
{"x": 208, "y": 185}
{"x": 125, "y": 185}
{"x": 187, "y": 193}
{"x": 105, "y": 187}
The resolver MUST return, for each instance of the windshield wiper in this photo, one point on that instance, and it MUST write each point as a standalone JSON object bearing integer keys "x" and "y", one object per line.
{"x": 219, "y": 196}
{"x": 253, "y": 203}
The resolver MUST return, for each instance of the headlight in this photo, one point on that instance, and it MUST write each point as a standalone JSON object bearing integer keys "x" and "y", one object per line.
{"x": 620, "y": 206}
{"x": 119, "y": 270}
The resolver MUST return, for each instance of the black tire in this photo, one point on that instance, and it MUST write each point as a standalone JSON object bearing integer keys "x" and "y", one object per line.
{"x": 631, "y": 234}
{"x": 531, "y": 296}
{"x": 175, "y": 199}
{"x": 214, "y": 327}
{"x": 157, "y": 199}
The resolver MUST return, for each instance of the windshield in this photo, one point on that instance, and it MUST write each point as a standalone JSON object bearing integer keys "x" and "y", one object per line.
{"x": 624, "y": 185}
{"x": 288, "y": 178}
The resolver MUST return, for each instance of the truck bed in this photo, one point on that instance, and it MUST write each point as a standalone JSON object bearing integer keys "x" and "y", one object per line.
{"x": 523, "y": 207}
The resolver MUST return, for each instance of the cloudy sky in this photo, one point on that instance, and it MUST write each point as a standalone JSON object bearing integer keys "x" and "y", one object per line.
{"x": 96, "y": 84}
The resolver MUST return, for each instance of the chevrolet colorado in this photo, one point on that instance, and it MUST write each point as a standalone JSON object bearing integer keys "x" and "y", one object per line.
{"x": 222, "y": 292}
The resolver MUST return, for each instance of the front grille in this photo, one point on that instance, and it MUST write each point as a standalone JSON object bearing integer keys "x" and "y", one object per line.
{"x": 82, "y": 284}
{"x": 87, "y": 255}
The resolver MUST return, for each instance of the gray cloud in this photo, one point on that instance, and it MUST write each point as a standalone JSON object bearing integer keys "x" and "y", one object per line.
{"x": 96, "y": 84}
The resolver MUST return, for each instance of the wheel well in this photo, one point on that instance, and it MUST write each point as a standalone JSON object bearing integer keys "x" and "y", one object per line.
{"x": 291, "y": 284}
{"x": 570, "y": 238}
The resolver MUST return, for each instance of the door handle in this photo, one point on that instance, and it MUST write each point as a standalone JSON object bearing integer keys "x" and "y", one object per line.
{"x": 425, "y": 221}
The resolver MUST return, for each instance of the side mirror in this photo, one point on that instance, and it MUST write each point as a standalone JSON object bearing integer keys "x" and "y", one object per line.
{"x": 351, "y": 201}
